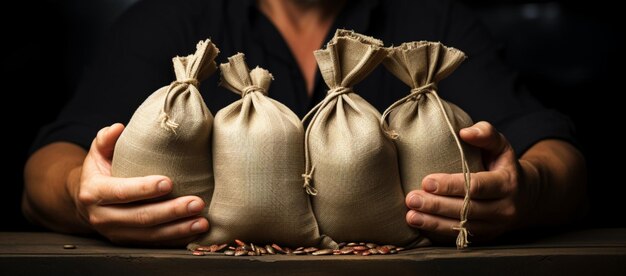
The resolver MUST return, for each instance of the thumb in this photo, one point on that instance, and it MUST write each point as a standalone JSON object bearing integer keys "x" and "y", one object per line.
{"x": 483, "y": 135}
{"x": 105, "y": 141}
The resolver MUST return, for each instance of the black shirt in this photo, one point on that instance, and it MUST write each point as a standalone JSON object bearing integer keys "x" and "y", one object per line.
{"x": 136, "y": 60}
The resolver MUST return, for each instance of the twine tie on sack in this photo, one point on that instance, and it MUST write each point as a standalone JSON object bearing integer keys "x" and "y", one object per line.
{"x": 252, "y": 88}
{"x": 413, "y": 96}
{"x": 165, "y": 119}
{"x": 308, "y": 175}
{"x": 462, "y": 240}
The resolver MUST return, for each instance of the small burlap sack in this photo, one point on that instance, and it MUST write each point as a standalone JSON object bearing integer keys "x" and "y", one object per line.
{"x": 258, "y": 146}
{"x": 170, "y": 132}
{"x": 351, "y": 167}
{"x": 423, "y": 126}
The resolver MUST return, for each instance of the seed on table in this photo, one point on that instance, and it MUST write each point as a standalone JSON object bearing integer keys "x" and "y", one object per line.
{"x": 298, "y": 252}
{"x": 241, "y": 252}
{"x": 287, "y": 250}
{"x": 229, "y": 252}
{"x": 399, "y": 249}
{"x": 278, "y": 248}
{"x": 232, "y": 248}
{"x": 346, "y": 250}
{"x": 252, "y": 253}
{"x": 262, "y": 250}
{"x": 257, "y": 251}
{"x": 270, "y": 249}
{"x": 373, "y": 251}
{"x": 299, "y": 248}
{"x": 360, "y": 247}
{"x": 371, "y": 245}
{"x": 383, "y": 250}
{"x": 393, "y": 251}
{"x": 240, "y": 243}
{"x": 390, "y": 246}
{"x": 323, "y": 252}
{"x": 202, "y": 248}
{"x": 310, "y": 249}
{"x": 365, "y": 253}
{"x": 352, "y": 244}
{"x": 198, "y": 253}
{"x": 361, "y": 243}
{"x": 220, "y": 247}
{"x": 69, "y": 246}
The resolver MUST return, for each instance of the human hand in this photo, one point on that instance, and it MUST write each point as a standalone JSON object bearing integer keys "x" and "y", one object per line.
{"x": 113, "y": 207}
{"x": 501, "y": 197}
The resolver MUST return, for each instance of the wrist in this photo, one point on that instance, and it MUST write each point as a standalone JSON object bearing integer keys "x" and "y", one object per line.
{"x": 532, "y": 183}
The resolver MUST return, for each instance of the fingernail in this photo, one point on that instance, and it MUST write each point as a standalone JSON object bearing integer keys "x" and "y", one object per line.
{"x": 415, "y": 201}
{"x": 417, "y": 219}
{"x": 430, "y": 185}
{"x": 164, "y": 186}
{"x": 194, "y": 207}
{"x": 471, "y": 131}
{"x": 196, "y": 226}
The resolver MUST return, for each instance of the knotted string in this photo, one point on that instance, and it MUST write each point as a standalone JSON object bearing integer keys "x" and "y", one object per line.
{"x": 177, "y": 85}
{"x": 462, "y": 238}
{"x": 252, "y": 88}
{"x": 415, "y": 93}
{"x": 309, "y": 168}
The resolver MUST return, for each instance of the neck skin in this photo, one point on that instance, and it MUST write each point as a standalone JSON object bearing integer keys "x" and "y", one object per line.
{"x": 304, "y": 26}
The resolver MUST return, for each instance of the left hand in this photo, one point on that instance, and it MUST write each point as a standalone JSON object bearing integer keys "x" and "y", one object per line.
{"x": 501, "y": 197}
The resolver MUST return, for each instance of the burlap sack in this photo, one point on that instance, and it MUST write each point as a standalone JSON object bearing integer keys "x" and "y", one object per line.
{"x": 423, "y": 126}
{"x": 351, "y": 166}
{"x": 258, "y": 146}
{"x": 170, "y": 132}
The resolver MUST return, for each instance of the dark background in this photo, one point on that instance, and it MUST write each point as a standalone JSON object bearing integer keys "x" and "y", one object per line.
{"x": 567, "y": 54}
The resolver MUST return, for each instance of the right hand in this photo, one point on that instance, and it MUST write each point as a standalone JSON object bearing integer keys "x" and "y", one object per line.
{"x": 112, "y": 205}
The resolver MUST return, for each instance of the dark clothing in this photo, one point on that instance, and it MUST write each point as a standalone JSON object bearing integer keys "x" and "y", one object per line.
{"x": 136, "y": 60}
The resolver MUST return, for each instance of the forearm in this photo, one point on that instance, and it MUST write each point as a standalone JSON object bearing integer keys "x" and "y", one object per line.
{"x": 50, "y": 175}
{"x": 556, "y": 175}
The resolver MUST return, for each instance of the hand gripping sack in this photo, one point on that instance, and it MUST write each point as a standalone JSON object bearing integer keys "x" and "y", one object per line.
{"x": 351, "y": 167}
{"x": 423, "y": 126}
{"x": 258, "y": 146}
{"x": 170, "y": 132}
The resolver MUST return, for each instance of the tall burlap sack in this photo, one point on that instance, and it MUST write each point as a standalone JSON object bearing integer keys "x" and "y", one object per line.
{"x": 258, "y": 146}
{"x": 423, "y": 126}
{"x": 351, "y": 166}
{"x": 170, "y": 132}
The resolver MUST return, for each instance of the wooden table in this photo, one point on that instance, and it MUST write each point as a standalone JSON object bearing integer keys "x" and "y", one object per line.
{"x": 586, "y": 252}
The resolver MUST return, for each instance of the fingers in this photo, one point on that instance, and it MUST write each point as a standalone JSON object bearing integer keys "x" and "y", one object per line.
{"x": 485, "y": 136}
{"x": 450, "y": 207}
{"x": 175, "y": 233}
{"x": 113, "y": 190}
{"x": 483, "y": 185}
{"x": 444, "y": 226}
{"x": 106, "y": 139}
{"x": 147, "y": 215}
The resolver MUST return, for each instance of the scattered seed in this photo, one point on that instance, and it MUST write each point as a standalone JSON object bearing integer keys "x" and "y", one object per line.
{"x": 240, "y": 243}
{"x": 310, "y": 249}
{"x": 270, "y": 249}
{"x": 69, "y": 246}
{"x": 360, "y": 248}
{"x": 371, "y": 245}
{"x": 229, "y": 252}
{"x": 352, "y": 244}
{"x": 198, "y": 253}
{"x": 241, "y": 252}
{"x": 323, "y": 252}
